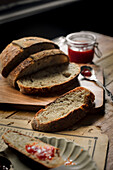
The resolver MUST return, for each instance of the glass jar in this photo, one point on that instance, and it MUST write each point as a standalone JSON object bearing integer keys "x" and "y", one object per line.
{"x": 81, "y": 47}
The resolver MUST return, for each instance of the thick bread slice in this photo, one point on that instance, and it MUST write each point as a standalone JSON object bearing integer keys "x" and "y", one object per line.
{"x": 42, "y": 153}
{"x": 20, "y": 49}
{"x": 50, "y": 79}
{"x": 37, "y": 62}
{"x": 65, "y": 111}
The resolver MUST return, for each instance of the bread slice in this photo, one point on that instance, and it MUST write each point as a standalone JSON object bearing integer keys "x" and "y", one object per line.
{"x": 50, "y": 79}
{"x": 65, "y": 111}
{"x": 20, "y": 49}
{"x": 37, "y": 62}
{"x": 35, "y": 149}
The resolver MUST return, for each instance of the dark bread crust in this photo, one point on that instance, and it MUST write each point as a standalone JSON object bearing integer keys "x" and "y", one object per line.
{"x": 20, "y": 49}
{"x": 27, "y": 42}
{"x": 48, "y": 163}
{"x": 7, "y": 56}
{"x": 29, "y": 62}
{"x": 69, "y": 119}
{"x": 47, "y": 90}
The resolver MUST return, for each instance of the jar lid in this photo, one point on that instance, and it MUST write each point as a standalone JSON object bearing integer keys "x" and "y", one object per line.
{"x": 81, "y": 39}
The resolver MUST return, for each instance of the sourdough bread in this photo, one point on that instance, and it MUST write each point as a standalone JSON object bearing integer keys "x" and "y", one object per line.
{"x": 37, "y": 62}
{"x": 50, "y": 79}
{"x": 65, "y": 111}
{"x": 35, "y": 149}
{"x": 20, "y": 49}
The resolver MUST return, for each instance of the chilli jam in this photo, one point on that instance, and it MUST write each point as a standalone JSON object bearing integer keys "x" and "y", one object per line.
{"x": 86, "y": 72}
{"x": 41, "y": 152}
{"x": 83, "y": 56}
{"x": 81, "y": 47}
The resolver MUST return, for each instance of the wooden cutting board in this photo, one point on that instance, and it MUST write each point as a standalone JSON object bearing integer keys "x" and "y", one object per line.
{"x": 12, "y": 97}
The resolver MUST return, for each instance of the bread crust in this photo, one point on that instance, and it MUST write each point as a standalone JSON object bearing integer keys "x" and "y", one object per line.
{"x": 69, "y": 119}
{"x": 50, "y": 89}
{"x": 20, "y": 49}
{"x": 29, "y": 62}
{"x": 48, "y": 163}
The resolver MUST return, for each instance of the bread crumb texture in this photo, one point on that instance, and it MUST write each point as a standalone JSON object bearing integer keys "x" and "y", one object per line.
{"x": 62, "y": 106}
{"x": 50, "y": 76}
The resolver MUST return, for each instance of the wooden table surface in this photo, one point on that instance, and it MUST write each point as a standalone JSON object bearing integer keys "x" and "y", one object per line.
{"x": 102, "y": 119}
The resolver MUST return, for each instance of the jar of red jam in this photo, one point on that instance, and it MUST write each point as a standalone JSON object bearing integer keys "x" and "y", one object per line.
{"x": 81, "y": 47}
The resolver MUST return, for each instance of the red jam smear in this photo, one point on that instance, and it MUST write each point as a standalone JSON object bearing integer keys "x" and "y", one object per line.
{"x": 86, "y": 72}
{"x": 45, "y": 152}
{"x": 69, "y": 162}
{"x": 81, "y": 56}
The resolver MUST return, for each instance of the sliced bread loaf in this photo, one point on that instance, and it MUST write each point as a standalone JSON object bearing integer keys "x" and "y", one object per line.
{"x": 65, "y": 111}
{"x": 50, "y": 79}
{"x": 20, "y": 49}
{"x": 37, "y": 62}
{"x": 35, "y": 149}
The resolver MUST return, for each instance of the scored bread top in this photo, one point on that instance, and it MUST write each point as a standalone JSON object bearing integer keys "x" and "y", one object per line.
{"x": 20, "y": 49}
{"x": 37, "y": 62}
{"x": 27, "y": 42}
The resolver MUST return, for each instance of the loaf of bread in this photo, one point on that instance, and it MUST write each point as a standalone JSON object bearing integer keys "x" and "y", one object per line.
{"x": 50, "y": 79}
{"x": 37, "y": 65}
{"x": 20, "y": 49}
{"x": 35, "y": 149}
{"x": 36, "y": 62}
{"x": 65, "y": 111}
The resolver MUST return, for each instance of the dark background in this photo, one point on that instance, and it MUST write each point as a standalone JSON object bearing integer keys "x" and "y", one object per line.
{"x": 93, "y": 15}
